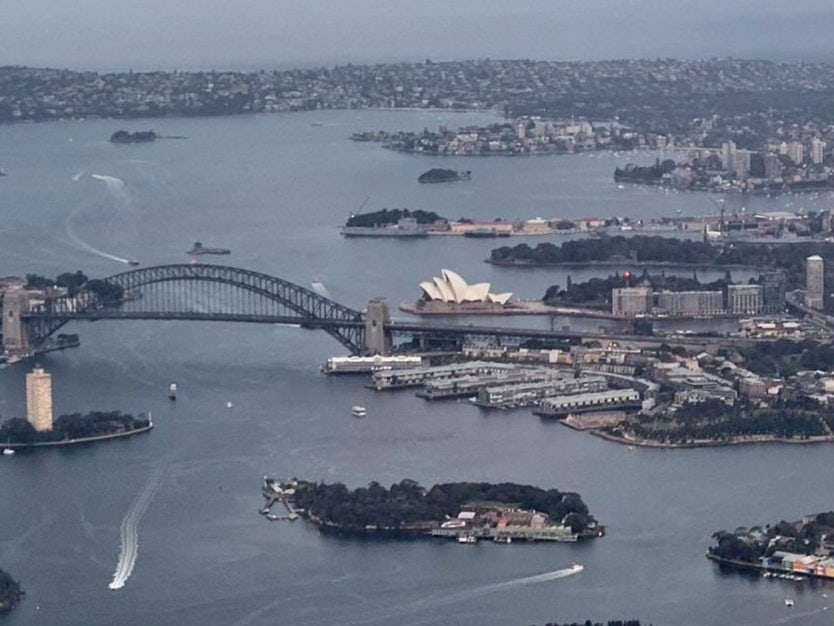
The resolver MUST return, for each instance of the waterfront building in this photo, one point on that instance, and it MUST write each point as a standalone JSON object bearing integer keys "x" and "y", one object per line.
{"x": 39, "y": 399}
{"x": 690, "y": 303}
{"x": 449, "y": 287}
{"x": 728, "y": 153}
{"x": 744, "y": 299}
{"x": 814, "y": 270}
{"x": 591, "y": 401}
{"x": 627, "y": 301}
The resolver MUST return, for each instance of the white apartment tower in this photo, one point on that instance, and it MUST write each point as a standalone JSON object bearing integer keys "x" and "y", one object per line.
{"x": 817, "y": 150}
{"x": 39, "y": 399}
{"x": 814, "y": 273}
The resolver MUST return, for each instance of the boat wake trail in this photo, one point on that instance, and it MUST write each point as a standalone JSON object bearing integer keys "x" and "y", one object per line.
{"x": 84, "y": 245}
{"x": 116, "y": 186}
{"x": 78, "y": 176}
{"x": 517, "y": 582}
{"x": 130, "y": 531}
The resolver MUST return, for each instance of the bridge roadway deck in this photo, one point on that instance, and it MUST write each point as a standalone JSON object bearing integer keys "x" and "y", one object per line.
{"x": 398, "y": 328}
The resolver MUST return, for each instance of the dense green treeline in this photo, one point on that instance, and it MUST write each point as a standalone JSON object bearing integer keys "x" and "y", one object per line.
{"x": 749, "y": 545}
{"x": 715, "y": 421}
{"x": 407, "y": 502}
{"x": 74, "y": 426}
{"x": 784, "y": 357}
{"x": 73, "y": 282}
{"x": 597, "y": 291}
{"x": 616, "y": 622}
{"x": 386, "y": 217}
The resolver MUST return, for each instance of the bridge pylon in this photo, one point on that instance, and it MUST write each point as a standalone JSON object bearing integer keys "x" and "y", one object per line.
{"x": 16, "y": 333}
{"x": 377, "y": 318}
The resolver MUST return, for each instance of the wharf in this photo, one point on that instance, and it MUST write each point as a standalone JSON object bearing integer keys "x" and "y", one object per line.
{"x": 560, "y": 534}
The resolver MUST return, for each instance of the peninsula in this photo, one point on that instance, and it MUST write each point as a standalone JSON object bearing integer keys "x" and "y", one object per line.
{"x": 788, "y": 550}
{"x": 10, "y": 592}
{"x": 468, "y": 512}
{"x": 17, "y": 433}
{"x": 440, "y": 175}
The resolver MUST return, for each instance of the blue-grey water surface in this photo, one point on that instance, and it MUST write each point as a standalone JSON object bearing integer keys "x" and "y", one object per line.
{"x": 274, "y": 189}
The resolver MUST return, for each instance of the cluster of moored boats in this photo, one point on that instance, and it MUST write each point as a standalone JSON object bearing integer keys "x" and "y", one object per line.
{"x": 783, "y": 576}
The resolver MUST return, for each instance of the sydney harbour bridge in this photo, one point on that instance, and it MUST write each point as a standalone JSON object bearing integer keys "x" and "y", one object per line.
{"x": 205, "y": 292}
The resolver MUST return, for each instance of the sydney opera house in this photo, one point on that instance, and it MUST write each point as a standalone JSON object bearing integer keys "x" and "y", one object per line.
{"x": 449, "y": 293}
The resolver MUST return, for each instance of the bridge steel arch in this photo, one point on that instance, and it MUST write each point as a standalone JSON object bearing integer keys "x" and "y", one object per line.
{"x": 301, "y": 305}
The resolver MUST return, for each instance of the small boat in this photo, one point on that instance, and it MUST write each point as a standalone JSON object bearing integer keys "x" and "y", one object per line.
{"x": 359, "y": 411}
{"x": 172, "y": 391}
{"x": 788, "y": 602}
{"x": 229, "y": 405}
{"x": 133, "y": 262}
{"x": 502, "y": 539}
{"x": 8, "y": 451}
{"x": 467, "y": 539}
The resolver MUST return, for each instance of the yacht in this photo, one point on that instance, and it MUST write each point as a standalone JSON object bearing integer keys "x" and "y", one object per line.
{"x": 8, "y": 451}
{"x": 359, "y": 411}
{"x": 467, "y": 539}
{"x": 788, "y": 602}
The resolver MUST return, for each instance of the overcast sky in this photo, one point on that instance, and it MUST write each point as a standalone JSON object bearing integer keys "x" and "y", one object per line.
{"x": 241, "y": 34}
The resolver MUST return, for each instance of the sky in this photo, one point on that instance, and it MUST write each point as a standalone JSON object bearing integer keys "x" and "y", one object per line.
{"x": 268, "y": 34}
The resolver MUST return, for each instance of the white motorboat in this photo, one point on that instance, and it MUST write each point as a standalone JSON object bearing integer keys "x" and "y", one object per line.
{"x": 359, "y": 411}
{"x": 8, "y": 451}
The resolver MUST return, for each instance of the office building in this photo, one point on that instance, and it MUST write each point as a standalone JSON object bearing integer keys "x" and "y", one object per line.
{"x": 39, "y": 399}
{"x": 773, "y": 291}
{"x": 814, "y": 270}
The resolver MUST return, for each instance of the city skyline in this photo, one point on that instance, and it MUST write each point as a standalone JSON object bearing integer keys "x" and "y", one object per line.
{"x": 100, "y": 35}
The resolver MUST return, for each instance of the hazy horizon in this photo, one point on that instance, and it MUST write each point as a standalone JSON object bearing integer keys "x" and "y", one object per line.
{"x": 253, "y": 34}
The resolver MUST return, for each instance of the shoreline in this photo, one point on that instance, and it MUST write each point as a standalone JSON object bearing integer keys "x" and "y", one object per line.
{"x": 69, "y": 442}
{"x": 709, "y": 443}
{"x": 524, "y": 265}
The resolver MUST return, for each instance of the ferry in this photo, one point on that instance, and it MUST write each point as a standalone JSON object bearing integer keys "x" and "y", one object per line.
{"x": 359, "y": 411}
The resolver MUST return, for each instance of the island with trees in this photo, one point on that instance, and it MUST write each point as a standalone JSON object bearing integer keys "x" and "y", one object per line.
{"x": 142, "y": 136}
{"x": 440, "y": 175}
{"x": 466, "y": 511}
{"x": 10, "y": 592}
{"x": 390, "y": 217}
{"x": 790, "y": 550}
{"x": 17, "y": 432}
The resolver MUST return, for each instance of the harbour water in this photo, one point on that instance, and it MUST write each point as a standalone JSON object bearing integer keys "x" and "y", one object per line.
{"x": 180, "y": 506}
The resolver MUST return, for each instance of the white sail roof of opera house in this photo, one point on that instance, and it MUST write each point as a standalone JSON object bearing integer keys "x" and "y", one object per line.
{"x": 451, "y": 287}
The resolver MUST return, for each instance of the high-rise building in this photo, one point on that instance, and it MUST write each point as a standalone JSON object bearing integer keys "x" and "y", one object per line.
{"x": 773, "y": 291}
{"x": 817, "y": 150}
{"x": 744, "y": 299}
{"x": 741, "y": 164}
{"x": 39, "y": 399}
{"x": 773, "y": 167}
{"x": 814, "y": 273}
{"x": 796, "y": 151}
{"x": 728, "y": 153}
